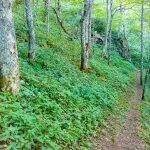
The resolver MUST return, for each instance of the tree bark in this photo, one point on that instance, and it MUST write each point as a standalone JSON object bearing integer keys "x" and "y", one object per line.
{"x": 9, "y": 69}
{"x": 110, "y": 30}
{"x": 142, "y": 42}
{"x": 125, "y": 51}
{"x": 109, "y": 20}
{"x": 29, "y": 16}
{"x": 85, "y": 31}
{"x": 90, "y": 30}
{"x": 146, "y": 79}
{"x": 107, "y": 30}
{"x": 47, "y": 5}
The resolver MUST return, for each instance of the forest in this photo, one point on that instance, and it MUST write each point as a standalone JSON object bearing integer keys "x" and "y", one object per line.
{"x": 74, "y": 74}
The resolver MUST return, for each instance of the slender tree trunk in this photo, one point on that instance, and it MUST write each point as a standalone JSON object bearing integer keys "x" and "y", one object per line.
{"x": 9, "y": 69}
{"x": 110, "y": 30}
{"x": 146, "y": 79}
{"x": 122, "y": 28}
{"x": 47, "y": 15}
{"x": 123, "y": 22}
{"x": 107, "y": 30}
{"x": 29, "y": 16}
{"x": 110, "y": 40}
{"x": 125, "y": 51}
{"x": 142, "y": 42}
{"x": 85, "y": 31}
{"x": 90, "y": 30}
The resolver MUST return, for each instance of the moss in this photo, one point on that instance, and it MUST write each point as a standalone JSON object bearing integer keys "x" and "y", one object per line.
{"x": 3, "y": 81}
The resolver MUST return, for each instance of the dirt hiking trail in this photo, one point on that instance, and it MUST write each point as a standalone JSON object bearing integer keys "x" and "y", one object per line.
{"x": 127, "y": 137}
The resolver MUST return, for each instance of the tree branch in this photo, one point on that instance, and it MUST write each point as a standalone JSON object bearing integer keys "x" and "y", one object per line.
{"x": 118, "y": 9}
{"x": 71, "y": 36}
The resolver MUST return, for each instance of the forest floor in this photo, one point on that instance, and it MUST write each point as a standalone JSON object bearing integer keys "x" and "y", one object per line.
{"x": 123, "y": 136}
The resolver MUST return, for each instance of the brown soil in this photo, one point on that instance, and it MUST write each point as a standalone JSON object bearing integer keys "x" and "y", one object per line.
{"x": 126, "y": 135}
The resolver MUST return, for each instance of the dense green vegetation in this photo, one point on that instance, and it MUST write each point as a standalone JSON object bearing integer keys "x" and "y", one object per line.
{"x": 57, "y": 98}
{"x": 59, "y": 106}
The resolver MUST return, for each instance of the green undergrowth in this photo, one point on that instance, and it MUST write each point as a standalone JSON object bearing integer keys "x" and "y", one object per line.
{"x": 145, "y": 118}
{"x": 59, "y": 106}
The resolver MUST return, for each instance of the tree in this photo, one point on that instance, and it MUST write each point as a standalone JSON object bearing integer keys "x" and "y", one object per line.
{"x": 47, "y": 5}
{"x": 142, "y": 42}
{"x": 125, "y": 52}
{"x": 107, "y": 29}
{"x": 110, "y": 29}
{"x": 9, "y": 69}
{"x": 29, "y": 17}
{"x": 111, "y": 12}
{"x": 86, "y": 34}
{"x": 108, "y": 32}
{"x": 146, "y": 79}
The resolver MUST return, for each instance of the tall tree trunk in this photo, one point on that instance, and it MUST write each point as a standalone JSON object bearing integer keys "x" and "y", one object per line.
{"x": 110, "y": 40}
{"x": 90, "y": 30}
{"x": 125, "y": 50}
{"x": 85, "y": 31}
{"x": 29, "y": 16}
{"x": 142, "y": 42}
{"x": 123, "y": 22}
{"x": 107, "y": 29}
{"x": 9, "y": 69}
{"x": 146, "y": 79}
{"x": 47, "y": 15}
{"x": 110, "y": 30}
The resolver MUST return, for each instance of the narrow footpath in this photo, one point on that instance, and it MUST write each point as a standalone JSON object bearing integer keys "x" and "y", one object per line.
{"x": 127, "y": 138}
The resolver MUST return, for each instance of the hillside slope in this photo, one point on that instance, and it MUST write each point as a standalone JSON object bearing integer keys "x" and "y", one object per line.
{"x": 60, "y": 106}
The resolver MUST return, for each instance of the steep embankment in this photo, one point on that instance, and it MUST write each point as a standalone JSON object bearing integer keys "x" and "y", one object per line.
{"x": 59, "y": 106}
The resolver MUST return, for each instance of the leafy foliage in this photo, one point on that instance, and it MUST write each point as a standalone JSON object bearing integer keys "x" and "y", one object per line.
{"x": 59, "y": 106}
